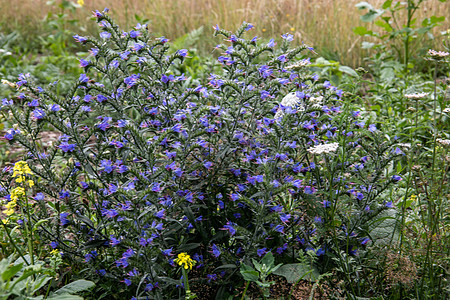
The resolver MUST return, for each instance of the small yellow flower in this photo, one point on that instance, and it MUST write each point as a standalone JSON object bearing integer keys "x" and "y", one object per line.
{"x": 292, "y": 29}
{"x": 9, "y": 212}
{"x": 80, "y": 2}
{"x": 17, "y": 193}
{"x": 54, "y": 252}
{"x": 263, "y": 30}
{"x": 21, "y": 169}
{"x": 186, "y": 260}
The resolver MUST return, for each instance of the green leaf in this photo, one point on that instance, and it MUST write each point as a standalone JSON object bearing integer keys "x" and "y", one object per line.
{"x": 296, "y": 272}
{"x": 348, "y": 70}
{"x": 386, "y": 26}
{"x": 11, "y": 271}
{"x": 387, "y": 4}
{"x": 64, "y": 297}
{"x": 268, "y": 259}
{"x": 250, "y": 275}
{"x": 227, "y": 266}
{"x": 75, "y": 287}
{"x": 39, "y": 282}
{"x": 361, "y": 30}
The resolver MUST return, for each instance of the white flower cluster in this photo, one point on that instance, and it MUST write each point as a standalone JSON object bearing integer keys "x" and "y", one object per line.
{"x": 416, "y": 96}
{"x": 290, "y": 100}
{"x": 325, "y": 148}
{"x": 316, "y": 100}
{"x": 404, "y": 145}
{"x": 299, "y": 64}
{"x": 437, "y": 54}
{"x": 443, "y": 142}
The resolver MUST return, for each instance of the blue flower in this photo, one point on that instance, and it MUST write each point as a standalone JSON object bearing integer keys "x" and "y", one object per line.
{"x": 39, "y": 197}
{"x": 230, "y": 227}
{"x": 80, "y": 39}
{"x": 215, "y": 250}
{"x": 182, "y": 52}
{"x": 372, "y": 128}
{"x": 211, "y": 277}
{"x": 320, "y": 252}
{"x": 63, "y": 218}
{"x": 66, "y": 147}
{"x": 132, "y": 80}
{"x": 288, "y": 37}
{"x": 396, "y": 178}
{"x": 38, "y": 114}
{"x": 271, "y": 43}
{"x": 105, "y": 35}
{"x": 261, "y": 252}
{"x": 83, "y": 78}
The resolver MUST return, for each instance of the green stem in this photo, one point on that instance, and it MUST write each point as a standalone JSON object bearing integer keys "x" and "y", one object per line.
{"x": 14, "y": 244}
{"x": 245, "y": 290}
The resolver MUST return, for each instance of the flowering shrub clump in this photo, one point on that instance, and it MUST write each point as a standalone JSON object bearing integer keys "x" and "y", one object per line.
{"x": 148, "y": 167}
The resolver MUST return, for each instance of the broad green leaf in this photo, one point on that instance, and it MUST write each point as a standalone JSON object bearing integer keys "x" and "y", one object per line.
{"x": 64, "y": 297}
{"x": 11, "y": 271}
{"x": 250, "y": 275}
{"x": 268, "y": 259}
{"x": 386, "y": 26}
{"x": 75, "y": 287}
{"x": 386, "y": 4}
{"x": 361, "y": 30}
{"x": 348, "y": 70}
{"x": 296, "y": 272}
{"x": 228, "y": 266}
{"x": 39, "y": 282}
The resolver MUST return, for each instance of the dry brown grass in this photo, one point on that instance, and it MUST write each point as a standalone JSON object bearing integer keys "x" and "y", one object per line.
{"x": 325, "y": 24}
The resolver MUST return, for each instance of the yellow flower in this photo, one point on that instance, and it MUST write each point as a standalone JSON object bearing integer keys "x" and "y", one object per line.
{"x": 54, "y": 252}
{"x": 9, "y": 212}
{"x": 80, "y": 2}
{"x": 186, "y": 260}
{"x": 21, "y": 169}
{"x": 17, "y": 193}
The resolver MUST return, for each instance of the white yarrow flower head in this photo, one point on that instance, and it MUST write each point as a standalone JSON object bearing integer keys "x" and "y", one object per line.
{"x": 324, "y": 148}
{"x": 416, "y": 96}
{"x": 443, "y": 142}
{"x": 299, "y": 64}
{"x": 316, "y": 100}
{"x": 290, "y": 100}
{"x": 404, "y": 145}
{"x": 437, "y": 55}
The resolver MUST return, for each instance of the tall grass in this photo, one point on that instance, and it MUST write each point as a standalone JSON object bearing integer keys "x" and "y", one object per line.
{"x": 325, "y": 24}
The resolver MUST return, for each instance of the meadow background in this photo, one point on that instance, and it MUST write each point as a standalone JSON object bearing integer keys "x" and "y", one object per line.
{"x": 324, "y": 24}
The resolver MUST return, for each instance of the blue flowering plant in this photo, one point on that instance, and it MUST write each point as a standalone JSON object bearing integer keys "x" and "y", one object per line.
{"x": 264, "y": 157}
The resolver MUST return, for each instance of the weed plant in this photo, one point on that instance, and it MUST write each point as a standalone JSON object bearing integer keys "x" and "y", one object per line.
{"x": 265, "y": 158}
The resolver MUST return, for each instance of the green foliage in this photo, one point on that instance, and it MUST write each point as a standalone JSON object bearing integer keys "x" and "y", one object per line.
{"x": 21, "y": 280}
{"x": 259, "y": 272}
{"x": 398, "y": 33}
